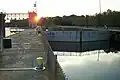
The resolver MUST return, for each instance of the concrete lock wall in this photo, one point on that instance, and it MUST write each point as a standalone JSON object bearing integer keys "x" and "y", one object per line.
{"x": 91, "y": 40}
{"x": 74, "y": 36}
{"x": 50, "y": 57}
{"x": 73, "y": 47}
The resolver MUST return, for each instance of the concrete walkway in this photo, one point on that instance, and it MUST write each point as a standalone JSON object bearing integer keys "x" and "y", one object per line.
{"x": 26, "y": 47}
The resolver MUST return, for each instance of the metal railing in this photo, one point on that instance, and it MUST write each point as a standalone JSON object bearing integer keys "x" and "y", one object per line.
{"x": 79, "y": 53}
{"x": 51, "y": 58}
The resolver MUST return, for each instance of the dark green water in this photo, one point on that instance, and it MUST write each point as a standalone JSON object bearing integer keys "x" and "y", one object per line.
{"x": 88, "y": 68}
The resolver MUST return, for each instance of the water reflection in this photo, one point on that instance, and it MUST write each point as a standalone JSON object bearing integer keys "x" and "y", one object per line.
{"x": 88, "y": 68}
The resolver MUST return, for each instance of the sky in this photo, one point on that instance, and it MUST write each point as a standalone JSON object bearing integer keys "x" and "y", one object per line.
{"x": 50, "y": 8}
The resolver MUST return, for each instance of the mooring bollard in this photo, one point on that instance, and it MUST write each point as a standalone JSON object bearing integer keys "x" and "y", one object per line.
{"x": 40, "y": 63}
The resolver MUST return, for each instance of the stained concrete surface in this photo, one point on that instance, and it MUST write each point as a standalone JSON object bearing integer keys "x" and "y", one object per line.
{"x": 26, "y": 47}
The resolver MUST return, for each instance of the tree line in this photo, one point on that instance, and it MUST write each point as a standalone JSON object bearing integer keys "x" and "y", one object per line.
{"x": 107, "y": 18}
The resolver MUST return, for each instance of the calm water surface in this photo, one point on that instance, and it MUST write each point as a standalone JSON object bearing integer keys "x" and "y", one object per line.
{"x": 88, "y": 68}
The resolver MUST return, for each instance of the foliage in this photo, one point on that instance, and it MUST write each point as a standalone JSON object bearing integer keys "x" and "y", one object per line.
{"x": 107, "y": 18}
{"x": 18, "y": 23}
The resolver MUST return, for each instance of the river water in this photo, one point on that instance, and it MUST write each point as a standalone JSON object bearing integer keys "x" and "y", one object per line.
{"x": 88, "y": 67}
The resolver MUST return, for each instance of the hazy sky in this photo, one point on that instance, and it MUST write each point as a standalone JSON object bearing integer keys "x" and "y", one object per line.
{"x": 59, "y": 7}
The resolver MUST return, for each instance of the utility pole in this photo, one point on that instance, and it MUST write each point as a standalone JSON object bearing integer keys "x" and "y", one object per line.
{"x": 100, "y": 6}
{"x": 100, "y": 25}
{"x": 99, "y": 13}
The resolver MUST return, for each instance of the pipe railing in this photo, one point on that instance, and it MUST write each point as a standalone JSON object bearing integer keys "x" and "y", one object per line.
{"x": 51, "y": 58}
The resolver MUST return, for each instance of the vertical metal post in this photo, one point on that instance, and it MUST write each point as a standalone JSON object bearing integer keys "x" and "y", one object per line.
{"x": 99, "y": 13}
{"x": 2, "y": 30}
{"x": 100, "y": 5}
{"x": 80, "y": 42}
{"x": 99, "y": 24}
{"x": 76, "y": 42}
{"x": 98, "y": 56}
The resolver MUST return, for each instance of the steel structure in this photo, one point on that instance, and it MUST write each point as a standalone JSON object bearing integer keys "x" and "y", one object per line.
{"x": 17, "y": 16}
{"x": 20, "y": 16}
